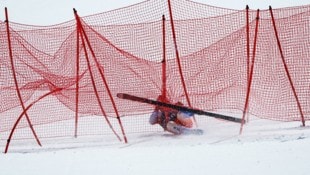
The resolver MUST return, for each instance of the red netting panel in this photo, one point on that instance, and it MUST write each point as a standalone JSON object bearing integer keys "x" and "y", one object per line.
{"x": 47, "y": 39}
{"x": 272, "y": 96}
{"x": 285, "y": 12}
{"x": 152, "y": 10}
{"x": 139, "y": 31}
{"x": 216, "y": 75}
{"x": 37, "y": 73}
{"x": 127, "y": 45}
{"x": 124, "y": 73}
{"x": 25, "y": 59}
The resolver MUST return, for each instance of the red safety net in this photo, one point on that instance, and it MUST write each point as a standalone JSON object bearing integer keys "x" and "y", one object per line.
{"x": 63, "y": 79}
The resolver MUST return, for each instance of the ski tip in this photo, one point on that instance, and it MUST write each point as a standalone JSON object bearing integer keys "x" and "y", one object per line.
{"x": 120, "y": 95}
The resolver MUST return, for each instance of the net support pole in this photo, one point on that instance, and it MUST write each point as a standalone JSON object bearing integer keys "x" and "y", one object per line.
{"x": 245, "y": 109}
{"x": 178, "y": 58}
{"x": 80, "y": 28}
{"x": 248, "y": 42}
{"x": 164, "y": 66}
{"x": 15, "y": 78}
{"x": 85, "y": 38}
{"x": 77, "y": 82}
{"x": 24, "y": 112}
{"x": 286, "y": 67}
{"x": 101, "y": 71}
{"x": 248, "y": 48}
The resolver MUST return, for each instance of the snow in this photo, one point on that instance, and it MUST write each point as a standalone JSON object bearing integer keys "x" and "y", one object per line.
{"x": 264, "y": 147}
{"x": 243, "y": 158}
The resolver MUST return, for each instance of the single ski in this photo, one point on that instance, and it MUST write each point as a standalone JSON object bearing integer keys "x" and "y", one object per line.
{"x": 190, "y": 131}
{"x": 180, "y": 108}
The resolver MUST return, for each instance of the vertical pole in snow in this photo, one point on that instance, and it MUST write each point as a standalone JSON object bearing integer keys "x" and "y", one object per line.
{"x": 15, "y": 78}
{"x": 251, "y": 73}
{"x": 79, "y": 28}
{"x": 248, "y": 48}
{"x": 286, "y": 68}
{"x": 178, "y": 57}
{"x": 77, "y": 81}
{"x": 101, "y": 71}
{"x": 164, "y": 66}
{"x": 100, "y": 68}
{"x": 248, "y": 42}
{"x": 24, "y": 112}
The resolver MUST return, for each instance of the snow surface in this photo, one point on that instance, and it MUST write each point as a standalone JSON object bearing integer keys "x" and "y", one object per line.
{"x": 264, "y": 147}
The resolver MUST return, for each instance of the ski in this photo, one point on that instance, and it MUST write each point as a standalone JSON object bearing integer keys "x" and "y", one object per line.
{"x": 192, "y": 132}
{"x": 182, "y": 108}
{"x": 188, "y": 131}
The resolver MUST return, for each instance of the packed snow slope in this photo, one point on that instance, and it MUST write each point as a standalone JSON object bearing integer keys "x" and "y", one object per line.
{"x": 264, "y": 147}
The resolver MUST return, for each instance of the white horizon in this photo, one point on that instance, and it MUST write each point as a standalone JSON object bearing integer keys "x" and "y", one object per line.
{"x": 50, "y": 12}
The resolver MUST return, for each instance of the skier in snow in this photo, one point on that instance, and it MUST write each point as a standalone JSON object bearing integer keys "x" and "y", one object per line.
{"x": 174, "y": 121}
